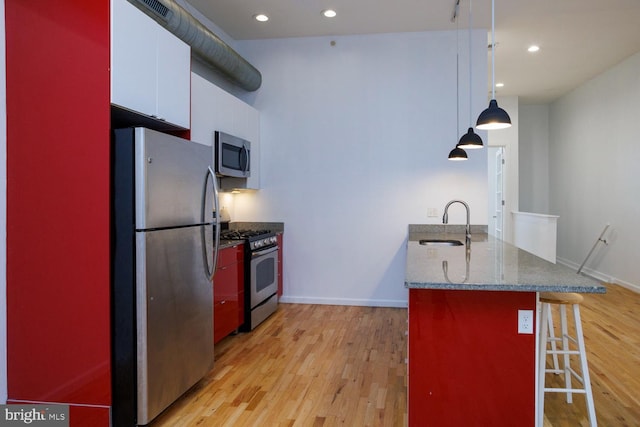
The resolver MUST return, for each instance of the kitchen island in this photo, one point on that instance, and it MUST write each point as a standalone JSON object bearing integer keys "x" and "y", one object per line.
{"x": 468, "y": 363}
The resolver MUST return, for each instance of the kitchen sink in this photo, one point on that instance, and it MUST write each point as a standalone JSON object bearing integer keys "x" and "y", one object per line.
{"x": 440, "y": 242}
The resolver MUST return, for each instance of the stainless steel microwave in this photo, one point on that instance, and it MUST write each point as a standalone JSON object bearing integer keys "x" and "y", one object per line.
{"x": 233, "y": 155}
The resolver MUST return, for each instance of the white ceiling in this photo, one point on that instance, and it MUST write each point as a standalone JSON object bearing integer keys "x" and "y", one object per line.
{"x": 578, "y": 39}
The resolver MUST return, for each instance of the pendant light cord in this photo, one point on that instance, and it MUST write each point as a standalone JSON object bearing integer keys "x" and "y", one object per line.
{"x": 457, "y": 79}
{"x": 493, "y": 50}
{"x": 470, "y": 62}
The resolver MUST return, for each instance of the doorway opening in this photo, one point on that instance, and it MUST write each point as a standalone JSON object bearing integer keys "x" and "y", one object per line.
{"x": 496, "y": 177}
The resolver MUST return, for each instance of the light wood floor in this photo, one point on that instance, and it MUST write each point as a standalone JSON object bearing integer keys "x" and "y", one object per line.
{"x": 307, "y": 365}
{"x": 317, "y": 365}
{"x": 611, "y": 327}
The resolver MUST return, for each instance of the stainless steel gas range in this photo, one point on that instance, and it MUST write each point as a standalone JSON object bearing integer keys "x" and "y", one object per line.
{"x": 261, "y": 274}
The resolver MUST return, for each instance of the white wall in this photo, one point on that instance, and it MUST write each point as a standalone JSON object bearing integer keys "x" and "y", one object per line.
{"x": 354, "y": 140}
{"x": 594, "y": 158}
{"x": 3, "y": 213}
{"x": 534, "y": 158}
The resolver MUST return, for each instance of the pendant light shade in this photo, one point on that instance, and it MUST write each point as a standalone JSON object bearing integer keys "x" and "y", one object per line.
{"x": 493, "y": 117}
{"x": 457, "y": 154}
{"x": 470, "y": 140}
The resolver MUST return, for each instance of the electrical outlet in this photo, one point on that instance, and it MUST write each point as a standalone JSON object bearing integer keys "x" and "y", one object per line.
{"x": 432, "y": 212}
{"x": 525, "y": 321}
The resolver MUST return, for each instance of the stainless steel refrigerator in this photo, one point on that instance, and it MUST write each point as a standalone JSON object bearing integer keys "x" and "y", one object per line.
{"x": 165, "y": 243}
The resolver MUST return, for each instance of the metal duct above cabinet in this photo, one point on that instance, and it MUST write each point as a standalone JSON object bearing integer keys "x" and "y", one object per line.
{"x": 150, "y": 67}
{"x": 205, "y": 44}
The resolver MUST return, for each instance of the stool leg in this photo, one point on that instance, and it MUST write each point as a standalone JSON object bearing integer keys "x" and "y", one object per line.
{"x": 552, "y": 339}
{"x": 585, "y": 367}
{"x": 542, "y": 361}
{"x": 565, "y": 347}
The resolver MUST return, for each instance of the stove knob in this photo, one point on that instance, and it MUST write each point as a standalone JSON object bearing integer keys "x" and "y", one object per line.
{"x": 258, "y": 243}
{"x": 265, "y": 241}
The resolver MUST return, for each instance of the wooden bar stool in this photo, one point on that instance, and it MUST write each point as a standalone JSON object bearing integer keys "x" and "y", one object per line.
{"x": 547, "y": 336}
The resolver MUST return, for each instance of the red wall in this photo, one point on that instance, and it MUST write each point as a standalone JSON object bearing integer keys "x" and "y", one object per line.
{"x": 468, "y": 366}
{"x": 58, "y": 203}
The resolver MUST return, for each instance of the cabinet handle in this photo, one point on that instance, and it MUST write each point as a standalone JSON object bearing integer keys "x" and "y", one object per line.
{"x": 223, "y": 302}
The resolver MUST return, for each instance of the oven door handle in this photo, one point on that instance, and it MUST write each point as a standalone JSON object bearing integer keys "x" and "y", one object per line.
{"x": 264, "y": 252}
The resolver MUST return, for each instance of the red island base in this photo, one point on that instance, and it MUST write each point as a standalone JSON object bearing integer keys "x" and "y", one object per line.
{"x": 468, "y": 366}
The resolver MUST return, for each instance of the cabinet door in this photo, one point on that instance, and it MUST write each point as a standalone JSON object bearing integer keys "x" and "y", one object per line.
{"x": 133, "y": 58}
{"x": 225, "y": 306}
{"x": 150, "y": 67}
{"x": 58, "y": 318}
{"x": 173, "y": 79}
{"x": 253, "y": 134}
{"x": 228, "y": 292}
{"x": 210, "y": 110}
{"x": 203, "y": 110}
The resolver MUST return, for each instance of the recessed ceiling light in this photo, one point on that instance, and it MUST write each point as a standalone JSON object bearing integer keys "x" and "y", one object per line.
{"x": 533, "y": 48}
{"x": 499, "y": 84}
{"x": 329, "y": 13}
{"x": 261, "y": 17}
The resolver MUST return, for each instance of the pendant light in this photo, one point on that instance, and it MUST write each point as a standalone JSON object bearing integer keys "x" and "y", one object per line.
{"x": 470, "y": 140}
{"x": 493, "y": 117}
{"x": 457, "y": 154}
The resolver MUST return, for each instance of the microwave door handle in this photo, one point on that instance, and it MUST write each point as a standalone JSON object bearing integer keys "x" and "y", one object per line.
{"x": 244, "y": 155}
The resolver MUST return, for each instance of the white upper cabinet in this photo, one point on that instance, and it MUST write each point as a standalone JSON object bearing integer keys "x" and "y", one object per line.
{"x": 150, "y": 67}
{"x": 214, "y": 109}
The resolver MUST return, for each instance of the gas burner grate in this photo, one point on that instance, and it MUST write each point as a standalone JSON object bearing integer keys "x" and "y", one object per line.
{"x": 242, "y": 234}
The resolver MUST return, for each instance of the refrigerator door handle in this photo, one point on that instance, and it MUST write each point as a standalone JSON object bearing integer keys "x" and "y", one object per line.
{"x": 216, "y": 201}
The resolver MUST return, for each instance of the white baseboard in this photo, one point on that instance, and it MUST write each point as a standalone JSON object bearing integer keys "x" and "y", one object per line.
{"x": 343, "y": 301}
{"x": 599, "y": 275}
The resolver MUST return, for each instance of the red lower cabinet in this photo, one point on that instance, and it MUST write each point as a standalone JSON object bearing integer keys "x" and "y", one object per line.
{"x": 228, "y": 292}
{"x": 468, "y": 366}
{"x": 58, "y": 203}
{"x": 87, "y": 416}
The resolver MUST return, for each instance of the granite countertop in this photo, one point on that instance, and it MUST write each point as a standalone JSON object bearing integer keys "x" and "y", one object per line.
{"x": 276, "y": 227}
{"x": 486, "y": 263}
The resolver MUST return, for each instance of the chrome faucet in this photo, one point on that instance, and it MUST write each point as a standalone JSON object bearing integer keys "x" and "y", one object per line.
{"x": 445, "y": 217}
